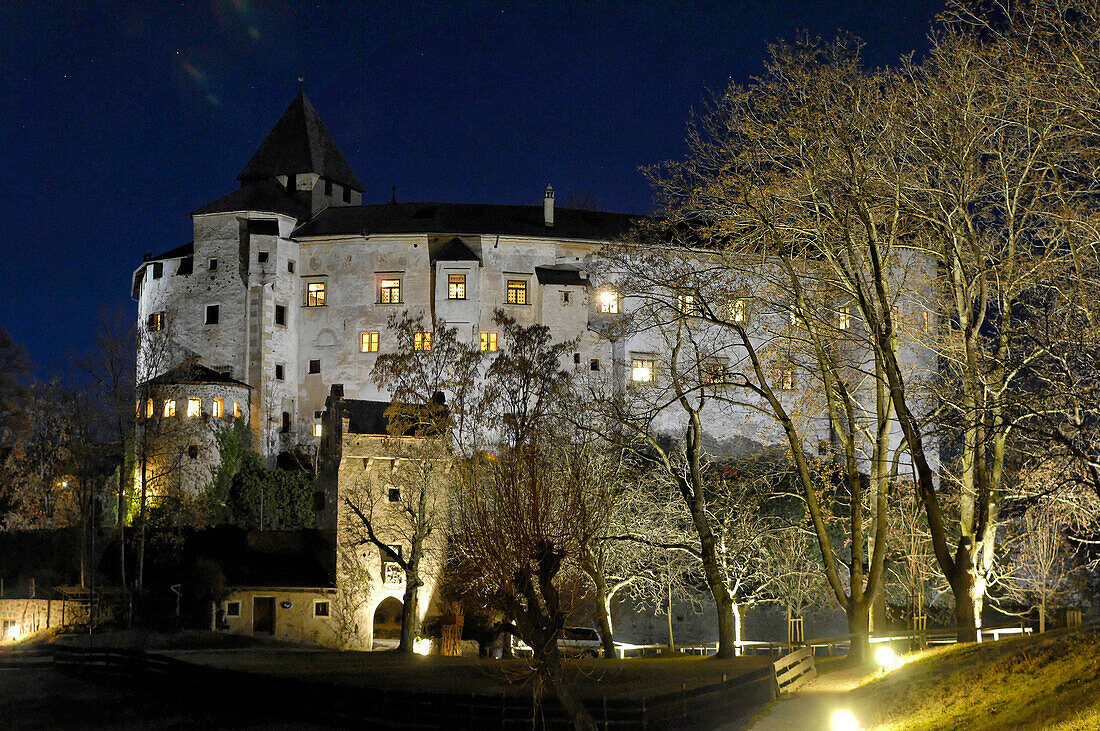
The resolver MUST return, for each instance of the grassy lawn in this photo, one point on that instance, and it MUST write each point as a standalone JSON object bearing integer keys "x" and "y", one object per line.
{"x": 1050, "y": 681}
{"x": 627, "y": 679}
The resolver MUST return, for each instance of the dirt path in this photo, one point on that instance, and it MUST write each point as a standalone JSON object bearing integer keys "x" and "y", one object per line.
{"x": 811, "y": 707}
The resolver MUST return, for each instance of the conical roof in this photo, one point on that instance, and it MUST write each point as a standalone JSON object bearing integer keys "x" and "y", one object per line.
{"x": 299, "y": 143}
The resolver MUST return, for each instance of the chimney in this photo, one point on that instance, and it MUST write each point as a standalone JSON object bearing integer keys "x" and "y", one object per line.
{"x": 548, "y": 206}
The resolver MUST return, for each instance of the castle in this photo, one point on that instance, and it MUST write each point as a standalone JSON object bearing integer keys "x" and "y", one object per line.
{"x": 276, "y": 312}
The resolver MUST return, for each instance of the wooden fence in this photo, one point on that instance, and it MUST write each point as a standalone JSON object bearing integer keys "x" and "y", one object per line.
{"x": 729, "y": 704}
{"x": 794, "y": 669}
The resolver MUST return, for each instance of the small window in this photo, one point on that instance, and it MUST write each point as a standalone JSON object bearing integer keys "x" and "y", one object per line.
{"x": 213, "y": 314}
{"x": 688, "y": 304}
{"x": 149, "y": 409}
{"x": 194, "y": 407}
{"x": 393, "y": 494}
{"x": 278, "y": 371}
{"x": 786, "y": 378}
{"x": 576, "y": 358}
{"x": 594, "y": 364}
{"x": 218, "y": 409}
{"x": 262, "y": 257}
{"x": 844, "y": 318}
{"x": 609, "y": 302}
{"x": 193, "y": 451}
{"x": 158, "y": 270}
{"x": 347, "y": 194}
{"x": 317, "y": 430}
{"x": 286, "y": 422}
{"x": 517, "y": 291}
{"x": 566, "y": 297}
{"x": 237, "y": 412}
{"x": 389, "y": 291}
{"x": 315, "y": 366}
{"x": 155, "y": 322}
{"x": 456, "y": 286}
{"x": 290, "y": 266}
{"x": 739, "y": 311}
{"x": 212, "y": 265}
{"x": 489, "y": 342}
{"x": 368, "y": 342}
{"x": 315, "y": 294}
{"x": 320, "y": 609}
{"x": 280, "y": 315}
{"x": 318, "y": 414}
{"x": 422, "y": 341}
{"x": 232, "y": 609}
{"x": 328, "y": 188}
{"x": 170, "y": 408}
{"x": 642, "y": 370}
{"x": 138, "y": 415}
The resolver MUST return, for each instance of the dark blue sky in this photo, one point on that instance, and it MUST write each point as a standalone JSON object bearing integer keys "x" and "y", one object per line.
{"x": 116, "y": 120}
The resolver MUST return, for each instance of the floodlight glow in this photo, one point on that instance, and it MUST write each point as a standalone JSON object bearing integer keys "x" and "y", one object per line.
{"x": 423, "y": 646}
{"x": 885, "y": 657}
{"x": 13, "y": 632}
{"x": 844, "y": 720}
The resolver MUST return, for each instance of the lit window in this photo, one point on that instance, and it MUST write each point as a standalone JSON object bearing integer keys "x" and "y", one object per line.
{"x": 194, "y": 407}
{"x": 317, "y": 430}
{"x": 609, "y": 302}
{"x": 392, "y": 575}
{"x": 456, "y": 286}
{"x": 155, "y": 322}
{"x": 213, "y": 314}
{"x": 170, "y": 408}
{"x": 738, "y": 311}
{"x": 138, "y": 415}
{"x": 517, "y": 291}
{"x": 280, "y": 314}
{"x": 315, "y": 366}
{"x": 219, "y": 408}
{"x": 786, "y": 378}
{"x": 422, "y": 341}
{"x": 237, "y": 413}
{"x": 389, "y": 291}
{"x": 368, "y": 342}
{"x": 320, "y": 609}
{"x": 149, "y": 409}
{"x": 642, "y": 370}
{"x": 489, "y": 342}
{"x": 844, "y": 320}
{"x": 687, "y": 305}
{"x": 315, "y": 294}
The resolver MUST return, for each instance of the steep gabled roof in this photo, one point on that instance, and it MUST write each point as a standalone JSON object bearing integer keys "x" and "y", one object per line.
{"x": 467, "y": 218}
{"x": 562, "y": 274}
{"x": 299, "y": 143}
{"x": 191, "y": 371}
{"x": 455, "y": 250}
{"x": 258, "y": 195}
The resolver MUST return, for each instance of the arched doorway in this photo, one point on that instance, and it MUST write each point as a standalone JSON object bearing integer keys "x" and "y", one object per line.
{"x": 387, "y": 620}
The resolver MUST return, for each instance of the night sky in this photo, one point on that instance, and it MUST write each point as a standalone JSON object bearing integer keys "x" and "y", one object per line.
{"x": 118, "y": 120}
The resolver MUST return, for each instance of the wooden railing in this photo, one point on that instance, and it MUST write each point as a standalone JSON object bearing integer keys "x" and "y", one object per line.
{"x": 794, "y": 669}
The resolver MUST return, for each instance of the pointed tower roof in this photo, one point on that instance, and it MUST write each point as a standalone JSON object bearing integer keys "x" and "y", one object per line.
{"x": 299, "y": 143}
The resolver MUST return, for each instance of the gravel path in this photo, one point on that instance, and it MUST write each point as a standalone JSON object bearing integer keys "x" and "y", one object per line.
{"x": 811, "y": 707}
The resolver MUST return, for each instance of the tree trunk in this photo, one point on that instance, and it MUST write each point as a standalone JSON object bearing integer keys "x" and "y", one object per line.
{"x": 550, "y": 668}
{"x": 1043, "y": 614}
{"x": 607, "y": 637}
{"x": 859, "y": 625}
{"x": 968, "y": 594}
{"x": 410, "y": 610}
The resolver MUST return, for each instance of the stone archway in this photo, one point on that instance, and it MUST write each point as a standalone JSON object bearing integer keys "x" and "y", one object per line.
{"x": 387, "y": 620}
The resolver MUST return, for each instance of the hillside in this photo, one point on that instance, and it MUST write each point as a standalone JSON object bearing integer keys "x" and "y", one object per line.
{"x": 1050, "y": 681}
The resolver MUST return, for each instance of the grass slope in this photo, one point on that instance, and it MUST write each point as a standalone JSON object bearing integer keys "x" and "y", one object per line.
{"x": 1051, "y": 681}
